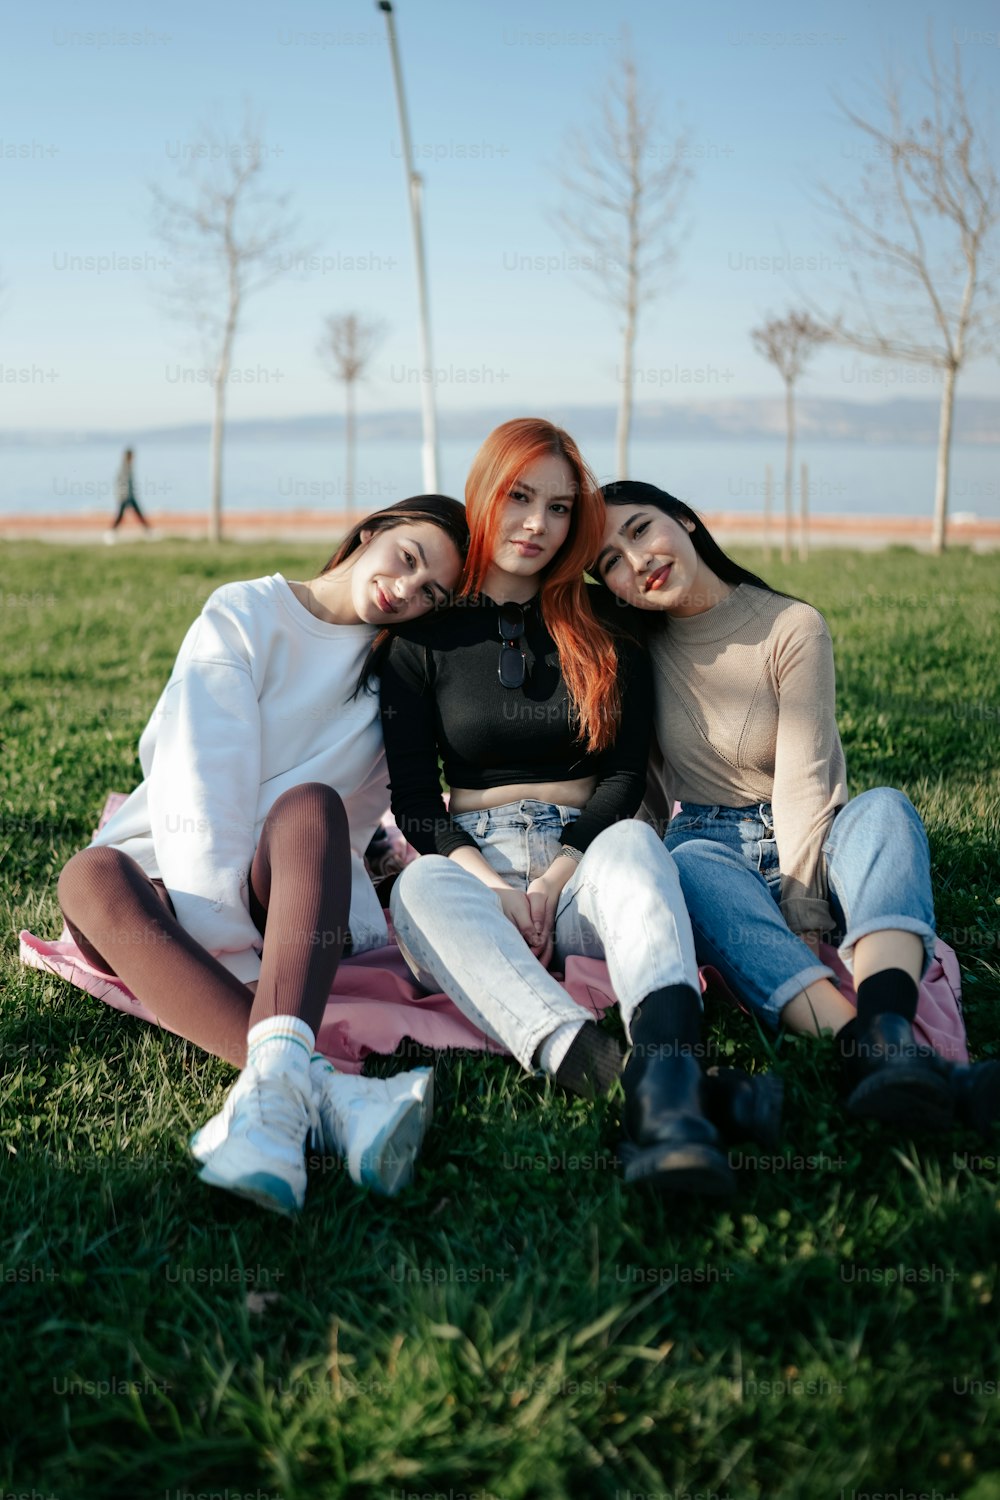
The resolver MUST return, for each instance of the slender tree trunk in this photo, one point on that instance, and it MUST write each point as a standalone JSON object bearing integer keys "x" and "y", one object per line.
{"x": 218, "y": 420}
{"x": 768, "y": 489}
{"x": 939, "y": 536}
{"x": 786, "y": 546}
{"x": 804, "y": 514}
{"x": 349, "y": 446}
{"x": 631, "y": 303}
{"x": 625, "y": 406}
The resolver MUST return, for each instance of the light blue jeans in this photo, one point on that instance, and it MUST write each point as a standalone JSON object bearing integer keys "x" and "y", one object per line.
{"x": 879, "y": 876}
{"x": 623, "y": 903}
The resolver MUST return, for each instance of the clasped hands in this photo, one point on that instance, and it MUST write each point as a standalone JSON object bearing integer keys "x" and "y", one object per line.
{"x": 533, "y": 911}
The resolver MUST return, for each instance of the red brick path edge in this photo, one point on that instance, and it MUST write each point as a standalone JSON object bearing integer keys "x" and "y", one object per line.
{"x": 825, "y": 530}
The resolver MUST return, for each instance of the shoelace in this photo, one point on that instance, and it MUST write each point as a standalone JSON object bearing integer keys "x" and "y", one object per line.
{"x": 280, "y": 1100}
{"x": 342, "y": 1108}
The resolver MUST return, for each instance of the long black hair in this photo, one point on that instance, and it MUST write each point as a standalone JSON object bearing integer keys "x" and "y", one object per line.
{"x": 436, "y": 510}
{"x": 634, "y": 492}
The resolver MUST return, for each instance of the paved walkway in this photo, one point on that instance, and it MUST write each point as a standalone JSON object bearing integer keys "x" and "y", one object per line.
{"x": 312, "y": 525}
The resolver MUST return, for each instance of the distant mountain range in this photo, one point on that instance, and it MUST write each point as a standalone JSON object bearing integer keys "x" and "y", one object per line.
{"x": 899, "y": 420}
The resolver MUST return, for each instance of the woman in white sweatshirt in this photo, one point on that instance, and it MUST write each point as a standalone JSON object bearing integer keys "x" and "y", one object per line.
{"x": 225, "y": 890}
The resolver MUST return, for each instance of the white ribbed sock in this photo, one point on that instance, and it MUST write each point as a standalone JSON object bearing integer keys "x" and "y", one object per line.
{"x": 281, "y": 1044}
{"x": 557, "y": 1044}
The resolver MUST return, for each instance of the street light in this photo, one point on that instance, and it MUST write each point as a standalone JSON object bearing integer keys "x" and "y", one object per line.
{"x": 415, "y": 184}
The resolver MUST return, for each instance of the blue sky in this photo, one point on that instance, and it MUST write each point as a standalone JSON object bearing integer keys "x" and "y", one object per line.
{"x": 103, "y": 99}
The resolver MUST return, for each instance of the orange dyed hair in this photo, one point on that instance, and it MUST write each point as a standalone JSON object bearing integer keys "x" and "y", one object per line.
{"x": 587, "y": 653}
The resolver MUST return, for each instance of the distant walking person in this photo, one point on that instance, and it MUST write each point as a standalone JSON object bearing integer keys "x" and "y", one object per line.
{"x": 125, "y": 495}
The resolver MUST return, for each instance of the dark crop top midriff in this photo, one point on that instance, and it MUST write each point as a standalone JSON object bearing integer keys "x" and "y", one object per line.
{"x": 442, "y": 697}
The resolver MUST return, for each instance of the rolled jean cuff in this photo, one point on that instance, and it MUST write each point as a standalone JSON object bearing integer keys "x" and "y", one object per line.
{"x": 786, "y": 993}
{"x": 915, "y": 925}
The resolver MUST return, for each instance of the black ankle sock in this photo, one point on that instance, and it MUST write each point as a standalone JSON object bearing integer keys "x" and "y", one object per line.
{"x": 668, "y": 1021}
{"x": 890, "y": 990}
{"x": 592, "y": 1063}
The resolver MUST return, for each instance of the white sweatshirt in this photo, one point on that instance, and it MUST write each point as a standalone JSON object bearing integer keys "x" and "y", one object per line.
{"x": 259, "y": 701}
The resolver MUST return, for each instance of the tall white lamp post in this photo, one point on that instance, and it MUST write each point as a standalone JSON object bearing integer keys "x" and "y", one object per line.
{"x": 415, "y": 184}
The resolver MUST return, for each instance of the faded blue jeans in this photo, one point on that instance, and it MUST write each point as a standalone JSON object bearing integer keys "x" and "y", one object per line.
{"x": 623, "y": 903}
{"x": 879, "y": 877}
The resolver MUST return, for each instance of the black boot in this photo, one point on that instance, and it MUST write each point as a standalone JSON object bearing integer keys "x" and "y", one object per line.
{"x": 976, "y": 1091}
{"x": 669, "y": 1142}
{"x": 745, "y": 1107}
{"x": 887, "y": 1075}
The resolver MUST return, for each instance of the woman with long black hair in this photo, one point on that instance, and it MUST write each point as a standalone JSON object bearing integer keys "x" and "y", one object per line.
{"x": 772, "y": 853}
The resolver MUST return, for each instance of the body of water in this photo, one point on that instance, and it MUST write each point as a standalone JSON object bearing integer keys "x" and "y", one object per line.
{"x": 844, "y": 478}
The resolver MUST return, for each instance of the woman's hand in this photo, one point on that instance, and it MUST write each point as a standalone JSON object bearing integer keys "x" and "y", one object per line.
{"x": 513, "y": 903}
{"x": 543, "y": 898}
{"x": 517, "y": 909}
{"x": 533, "y": 912}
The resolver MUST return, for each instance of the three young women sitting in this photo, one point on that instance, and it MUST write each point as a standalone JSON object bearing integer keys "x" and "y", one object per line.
{"x": 225, "y": 890}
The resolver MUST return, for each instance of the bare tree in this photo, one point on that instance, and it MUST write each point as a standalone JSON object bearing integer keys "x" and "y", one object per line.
{"x": 626, "y": 186}
{"x": 921, "y": 228}
{"x": 347, "y": 345}
{"x": 788, "y": 343}
{"x": 225, "y": 240}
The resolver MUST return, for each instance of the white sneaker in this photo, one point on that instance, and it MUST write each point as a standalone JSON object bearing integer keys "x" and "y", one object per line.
{"x": 255, "y": 1145}
{"x": 376, "y": 1124}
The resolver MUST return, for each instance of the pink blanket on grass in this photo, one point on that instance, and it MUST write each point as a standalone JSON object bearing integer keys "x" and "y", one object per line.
{"x": 373, "y": 1005}
{"x": 375, "y": 1002}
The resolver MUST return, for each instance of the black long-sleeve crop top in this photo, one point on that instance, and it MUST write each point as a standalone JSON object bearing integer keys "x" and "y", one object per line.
{"x": 441, "y": 695}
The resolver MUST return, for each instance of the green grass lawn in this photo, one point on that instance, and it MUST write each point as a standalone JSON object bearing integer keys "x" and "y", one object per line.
{"x": 517, "y": 1324}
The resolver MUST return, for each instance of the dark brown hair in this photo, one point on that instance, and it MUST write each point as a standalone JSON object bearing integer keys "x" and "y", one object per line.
{"x": 432, "y": 510}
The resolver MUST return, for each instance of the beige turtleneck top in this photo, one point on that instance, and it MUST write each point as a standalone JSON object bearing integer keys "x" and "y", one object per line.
{"x": 745, "y": 698}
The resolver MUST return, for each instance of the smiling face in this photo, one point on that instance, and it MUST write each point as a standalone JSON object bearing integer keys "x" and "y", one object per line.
{"x": 532, "y": 523}
{"x": 648, "y": 559}
{"x": 402, "y": 572}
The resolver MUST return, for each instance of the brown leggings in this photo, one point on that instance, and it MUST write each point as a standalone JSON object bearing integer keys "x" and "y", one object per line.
{"x": 300, "y": 895}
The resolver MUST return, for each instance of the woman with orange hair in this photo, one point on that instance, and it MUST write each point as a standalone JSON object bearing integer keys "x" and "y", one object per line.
{"x": 540, "y": 709}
